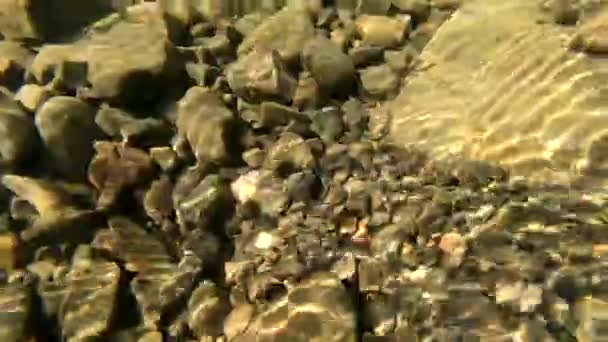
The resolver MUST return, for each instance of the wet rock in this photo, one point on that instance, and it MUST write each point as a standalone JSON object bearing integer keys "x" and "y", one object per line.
{"x": 91, "y": 301}
{"x": 207, "y": 308}
{"x": 261, "y": 75}
{"x": 67, "y": 127}
{"x": 32, "y": 96}
{"x": 238, "y": 320}
{"x": 327, "y": 123}
{"x": 383, "y": 31}
{"x": 290, "y": 151}
{"x": 332, "y": 69}
{"x": 116, "y": 167}
{"x": 58, "y": 219}
{"x": 17, "y": 299}
{"x": 15, "y": 60}
{"x": 319, "y": 308}
{"x": 206, "y": 124}
{"x": 307, "y": 95}
{"x": 199, "y": 202}
{"x": 18, "y": 132}
{"x": 22, "y": 20}
{"x": 379, "y": 81}
{"x": 591, "y": 36}
{"x": 117, "y": 123}
{"x": 286, "y": 32}
{"x": 262, "y": 188}
{"x": 160, "y": 284}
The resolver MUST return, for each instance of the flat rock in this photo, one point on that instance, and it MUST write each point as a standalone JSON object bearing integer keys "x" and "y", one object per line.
{"x": 497, "y": 95}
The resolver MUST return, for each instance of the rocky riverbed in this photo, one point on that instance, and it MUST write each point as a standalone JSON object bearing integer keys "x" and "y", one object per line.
{"x": 170, "y": 173}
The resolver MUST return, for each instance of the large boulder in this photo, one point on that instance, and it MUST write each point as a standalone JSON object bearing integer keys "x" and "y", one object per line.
{"x": 498, "y": 84}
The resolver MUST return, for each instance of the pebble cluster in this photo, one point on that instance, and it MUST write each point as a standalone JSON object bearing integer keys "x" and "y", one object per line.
{"x": 174, "y": 178}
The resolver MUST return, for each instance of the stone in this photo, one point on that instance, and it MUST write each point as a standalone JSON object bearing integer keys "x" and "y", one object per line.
{"x": 261, "y": 75}
{"x": 379, "y": 81}
{"x": 158, "y": 203}
{"x": 17, "y": 130}
{"x": 238, "y": 320}
{"x": 290, "y": 150}
{"x": 91, "y": 302}
{"x": 480, "y": 126}
{"x": 207, "y": 125}
{"x": 254, "y": 157}
{"x": 207, "y": 309}
{"x": 198, "y": 202}
{"x": 307, "y": 95}
{"x": 332, "y": 69}
{"x": 67, "y": 128}
{"x": 383, "y": 31}
{"x": 400, "y": 60}
{"x": 58, "y": 218}
{"x": 116, "y": 167}
{"x": 328, "y": 124}
{"x": 141, "y": 132}
{"x": 591, "y": 36}
{"x": 286, "y": 32}
{"x": 32, "y": 96}
{"x": 29, "y": 19}
{"x": 376, "y": 7}
{"x": 164, "y": 157}
{"x": 365, "y": 55}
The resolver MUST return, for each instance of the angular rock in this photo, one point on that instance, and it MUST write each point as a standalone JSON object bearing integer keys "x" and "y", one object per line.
{"x": 116, "y": 167}
{"x": 377, "y": 7}
{"x": 45, "y": 66}
{"x": 286, "y": 32}
{"x": 238, "y": 320}
{"x": 31, "y": 19}
{"x": 198, "y": 202}
{"x": 207, "y": 125}
{"x": 290, "y": 150}
{"x": 67, "y": 128}
{"x": 418, "y": 9}
{"x": 261, "y": 75}
{"x": 165, "y": 157}
{"x": 364, "y": 55}
{"x": 333, "y": 70}
{"x": 17, "y": 131}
